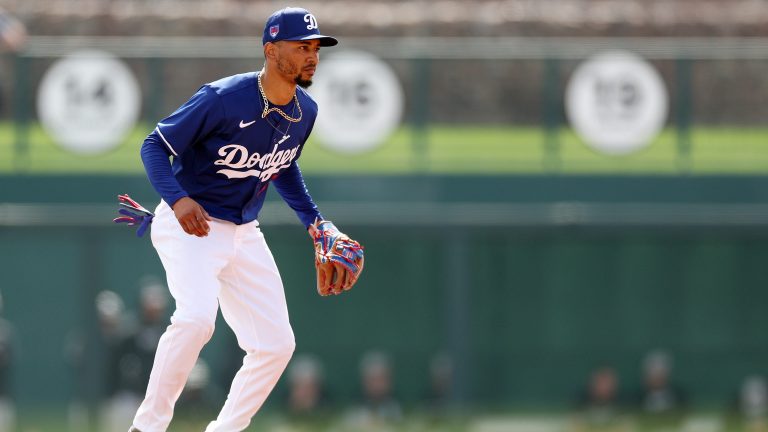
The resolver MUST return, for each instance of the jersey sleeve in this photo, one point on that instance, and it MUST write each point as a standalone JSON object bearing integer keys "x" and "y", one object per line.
{"x": 290, "y": 185}
{"x": 194, "y": 120}
{"x": 198, "y": 117}
{"x": 154, "y": 155}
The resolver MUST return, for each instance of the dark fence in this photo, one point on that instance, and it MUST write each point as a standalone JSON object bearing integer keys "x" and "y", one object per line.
{"x": 527, "y": 283}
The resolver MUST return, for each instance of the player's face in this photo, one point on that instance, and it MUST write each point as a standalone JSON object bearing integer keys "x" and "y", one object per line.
{"x": 297, "y": 60}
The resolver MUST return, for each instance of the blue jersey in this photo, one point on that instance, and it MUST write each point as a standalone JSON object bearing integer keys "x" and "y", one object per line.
{"x": 225, "y": 154}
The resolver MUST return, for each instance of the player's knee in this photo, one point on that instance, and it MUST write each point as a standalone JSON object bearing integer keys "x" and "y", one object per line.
{"x": 286, "y": 350}
{"x": 200, "y": 325}
{"x": 281, "y": 351}
{"x": 283, "y": 356}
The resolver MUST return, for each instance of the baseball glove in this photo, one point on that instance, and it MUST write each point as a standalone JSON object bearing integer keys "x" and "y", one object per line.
{"x": 338, "y": 259}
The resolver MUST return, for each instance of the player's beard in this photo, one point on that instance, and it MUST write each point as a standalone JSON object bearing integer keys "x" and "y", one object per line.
{"x": 290, "y": 69}
{"x": 302, "y": 82}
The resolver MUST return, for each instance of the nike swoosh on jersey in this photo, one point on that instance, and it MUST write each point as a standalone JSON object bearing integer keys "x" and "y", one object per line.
{"x": 245, "y": 125}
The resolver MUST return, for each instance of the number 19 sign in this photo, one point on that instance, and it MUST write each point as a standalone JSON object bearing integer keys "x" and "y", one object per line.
{"x": 88, "y": 101}
{"x": 616, "y": 102}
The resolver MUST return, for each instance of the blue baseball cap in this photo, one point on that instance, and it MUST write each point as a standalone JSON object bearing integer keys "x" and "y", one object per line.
{"x": 294, "y": 24}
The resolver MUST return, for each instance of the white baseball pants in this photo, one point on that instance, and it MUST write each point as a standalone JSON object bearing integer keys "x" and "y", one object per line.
{"x": 234, "y": 268}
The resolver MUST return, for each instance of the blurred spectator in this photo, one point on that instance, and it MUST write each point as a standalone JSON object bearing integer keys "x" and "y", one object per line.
{"x": 200, "y": 399}
{"x": 306, "y": 403}
{"x": 13, "y": 34}
{"x": 306, "y": 393}
{"x": 7, "y": 408}
{"x": 440, "y": 385}
{"x": 659, "y": 395}
{"x": 661, "y": 403}
{"x": 134, "y": 357}
{"x": 93, "y": 355}
{"x": 599, "y": 406}
{"x": 753, "y": 404}
{"x": 113, "y": 330}
{"x": 379, "y": 406}
{"x": 139, "y": 351}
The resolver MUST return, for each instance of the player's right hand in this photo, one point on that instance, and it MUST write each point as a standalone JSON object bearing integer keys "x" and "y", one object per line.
{"x": 192, "y": 217}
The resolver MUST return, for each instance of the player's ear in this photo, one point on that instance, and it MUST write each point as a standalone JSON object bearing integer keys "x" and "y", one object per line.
{"x": 269, "y": 50}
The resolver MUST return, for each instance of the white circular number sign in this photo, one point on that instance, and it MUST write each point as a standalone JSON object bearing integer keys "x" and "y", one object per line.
{"x": 360, "y": 99}
{"x": 88, "y": 101}
{"x": 616, "y": 102}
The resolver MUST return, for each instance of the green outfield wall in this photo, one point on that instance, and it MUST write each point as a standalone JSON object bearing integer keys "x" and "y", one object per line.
{"x": 527, "y": 282}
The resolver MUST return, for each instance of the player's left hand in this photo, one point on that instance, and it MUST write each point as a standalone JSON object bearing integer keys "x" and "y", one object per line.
{"x": 338, "y": 259}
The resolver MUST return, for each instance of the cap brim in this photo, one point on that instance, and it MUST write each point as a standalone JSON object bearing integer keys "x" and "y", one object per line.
{"x": 325, "y": 41}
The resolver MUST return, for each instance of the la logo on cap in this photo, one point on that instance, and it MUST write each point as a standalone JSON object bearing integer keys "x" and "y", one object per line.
{"x": 274, "y": 30}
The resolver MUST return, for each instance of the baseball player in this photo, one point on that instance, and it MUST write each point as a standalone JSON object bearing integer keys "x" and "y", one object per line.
{"x": 233, "y": 138}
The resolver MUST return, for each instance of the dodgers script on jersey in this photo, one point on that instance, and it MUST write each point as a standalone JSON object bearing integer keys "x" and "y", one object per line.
{"x": 225, "y": 158}
{"x": 236, "y": 156}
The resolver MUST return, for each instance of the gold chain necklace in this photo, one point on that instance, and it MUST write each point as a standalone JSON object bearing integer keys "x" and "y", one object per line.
{"x": 285, "y": 134}
{"x": 268, "y": 110}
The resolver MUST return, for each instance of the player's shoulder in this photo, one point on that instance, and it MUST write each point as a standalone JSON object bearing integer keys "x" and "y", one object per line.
{"x": 306, "y": 101}
{"x": 234, "y": 83}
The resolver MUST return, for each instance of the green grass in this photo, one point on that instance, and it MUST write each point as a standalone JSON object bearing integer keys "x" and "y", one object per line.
{"x": 442, "y": 149}
{"x": 414, "y": 422}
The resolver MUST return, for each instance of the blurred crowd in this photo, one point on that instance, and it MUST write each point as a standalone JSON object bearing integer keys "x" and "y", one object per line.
{"x": 404, "y": 17}
{"x": 112, "y": 366}
{"x": 126, "y": 344}
{"x": 111, "y": 369}
{"x": 660, "y": 403}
